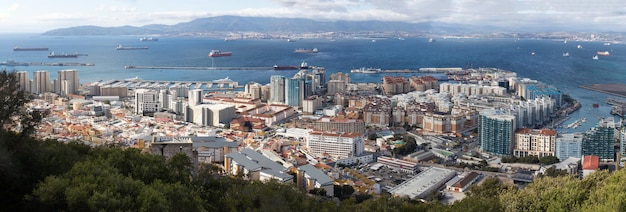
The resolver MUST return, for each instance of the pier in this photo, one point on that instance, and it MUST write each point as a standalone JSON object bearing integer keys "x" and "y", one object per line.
{"x": 13, "y": 63}
{"x": 137, "y": 83}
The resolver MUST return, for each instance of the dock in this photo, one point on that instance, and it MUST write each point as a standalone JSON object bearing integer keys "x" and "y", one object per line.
{"x": 13, "y": 63}
{"x": 137, "y": 83}
{"x": 198, "y": 68}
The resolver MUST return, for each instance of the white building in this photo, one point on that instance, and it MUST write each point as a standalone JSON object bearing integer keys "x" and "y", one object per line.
{"x": 211, "y": 114}
{"x": 67, "y": 82}
{"x": 195, "y": 97}
{"x": 311, "y": 104}
{"x": 310, "y": 177}
{"x": 337, "y": 145}
{"x": 146, "y": 101}
{"x": 425, "y": 182}
{"x": 255, "y": 166}
{"x": 41, "y": 82}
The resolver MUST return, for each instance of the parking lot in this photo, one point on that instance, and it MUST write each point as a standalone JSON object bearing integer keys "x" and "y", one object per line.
{"x": 386, "y": 177}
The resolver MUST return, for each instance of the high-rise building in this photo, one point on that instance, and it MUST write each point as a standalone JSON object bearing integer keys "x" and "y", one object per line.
{"x": 195, "y": 97}
{"x": 496, "y": 129}
{"x": 294, "y": 91}
{"x": 24, "y": 81}
{"x": 336, "y": 145}
{"x": 534, "y": 142}
{"x": 622, "y": 141}
{"x": 338, "y": 83}
{"x": 569, "y": 145}
{"x": 277, "y": 89}
{"x": 67, "y": 82}
{"x": 41, "y": 83}
{"x": 253, "y": 89}
{"x": 599, "y": 140}
{"x": 146, "y": 101}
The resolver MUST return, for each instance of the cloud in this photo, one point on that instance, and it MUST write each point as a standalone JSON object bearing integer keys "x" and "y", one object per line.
{"x": 13, "y": 7}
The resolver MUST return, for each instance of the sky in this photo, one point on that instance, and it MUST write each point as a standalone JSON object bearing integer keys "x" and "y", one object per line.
{"x": 37, "y": 16}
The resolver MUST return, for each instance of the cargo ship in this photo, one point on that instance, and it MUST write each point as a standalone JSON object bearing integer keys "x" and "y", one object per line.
{"x": 120, "y": 47}
{"x": 218, "y": 53}
{"x": 148, "y": 39}
{"x": 17, "y": 48}
{"x": 303, "y": 50}
{"x": 604, "y": 53}
{"x": 64, "y": 55}
{"x": 279, "y": 68}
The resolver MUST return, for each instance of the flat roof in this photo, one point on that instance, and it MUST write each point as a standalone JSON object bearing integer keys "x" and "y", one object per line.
{"x": 423, "y": 182}
{"x": 244, "y": 161}
{"x": 316, "y": 174}
{"x": 262, "y": 160}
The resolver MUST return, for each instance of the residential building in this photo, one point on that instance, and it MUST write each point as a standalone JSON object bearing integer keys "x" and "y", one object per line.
{"x": 569, "y": 145}
{"x": 24, "y": 81}
{"x": 67, "y": 82}
{"x": 309, "y": 177}
{"x": 311, "y": 104}
{"x": 395, "y": 85}
{"x": 590, "y": 164}
{"x": 146, "y": 101}
{"x": 255, "y": 166}
{"x": 41, "y": 82}
{"x": 277, "y": 89}
{"x": 337, "y": 145}
{"x": 295, "y": 91}
{"x": 496, "y": 131}
{"x": 534, "y": 142}
{"x": 599, "y": 140}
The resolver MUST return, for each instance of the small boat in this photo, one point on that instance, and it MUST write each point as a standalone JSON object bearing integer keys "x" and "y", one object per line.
{"x": 579, "y": 46}
{"x": 566, "y": 54}
{"x": 595, "y": 57}
{"x": 218, "y": 53}
{"x": 565, "y": 41}
{"x": 532, "y": 53}
{"x": 430, "y": 40}
{"x": 604, "y": 53}
{"x": 607, "y": 44}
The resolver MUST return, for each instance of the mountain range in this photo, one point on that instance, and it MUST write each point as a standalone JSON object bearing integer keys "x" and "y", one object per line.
{"x": 264, "y": 25}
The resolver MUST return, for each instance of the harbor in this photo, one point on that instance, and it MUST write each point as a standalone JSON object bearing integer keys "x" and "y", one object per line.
{"x": 138, "y": 83}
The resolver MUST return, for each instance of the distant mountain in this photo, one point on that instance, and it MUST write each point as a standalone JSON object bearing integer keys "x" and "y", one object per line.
{"x": 261, "y": 24}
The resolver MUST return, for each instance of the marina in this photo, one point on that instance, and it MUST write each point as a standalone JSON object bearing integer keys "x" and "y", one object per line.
{"x": 199, "y": 68}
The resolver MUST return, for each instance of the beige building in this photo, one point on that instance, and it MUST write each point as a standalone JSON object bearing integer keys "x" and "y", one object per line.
{"x": 537, "y": 142}
{"x": 311, "y": 104}
{"x": 395, "y": 85}
{"x": 335, "y": 145}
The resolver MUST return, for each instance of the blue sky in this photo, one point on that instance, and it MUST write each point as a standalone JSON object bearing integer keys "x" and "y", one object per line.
{"x": 17, "y": 16}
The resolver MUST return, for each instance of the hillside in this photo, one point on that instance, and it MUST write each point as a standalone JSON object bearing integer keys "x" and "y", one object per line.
{"x": 260, "y": 24}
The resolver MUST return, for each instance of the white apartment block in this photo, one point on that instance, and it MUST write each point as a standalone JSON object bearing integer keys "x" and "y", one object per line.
{"x": 146, "y": 101}
{"x": 336, "y": 145}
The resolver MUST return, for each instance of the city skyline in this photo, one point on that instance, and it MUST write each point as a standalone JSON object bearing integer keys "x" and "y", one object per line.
{"x": 32, "y": 16}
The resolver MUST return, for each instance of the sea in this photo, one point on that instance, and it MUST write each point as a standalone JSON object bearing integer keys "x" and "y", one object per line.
{"x": 537, "y": 59}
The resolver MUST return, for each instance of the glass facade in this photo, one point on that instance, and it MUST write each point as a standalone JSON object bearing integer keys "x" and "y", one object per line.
{"x": 496, "y": 131}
